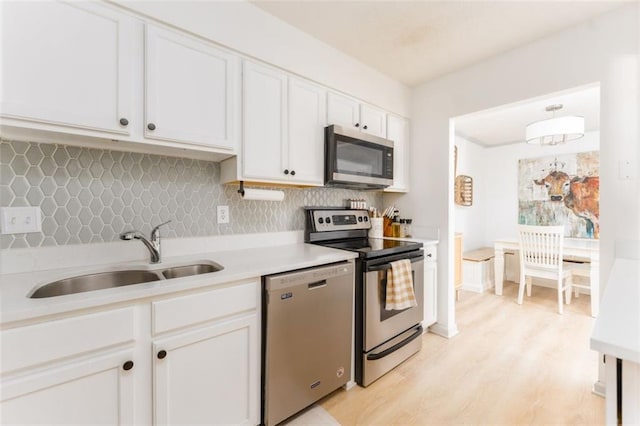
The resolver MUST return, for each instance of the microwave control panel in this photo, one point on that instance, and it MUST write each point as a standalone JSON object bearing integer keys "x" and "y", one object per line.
{"x": 340, "y": 220}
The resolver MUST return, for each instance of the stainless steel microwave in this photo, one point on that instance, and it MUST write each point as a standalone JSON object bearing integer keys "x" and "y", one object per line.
{"x": 357, "y": 160}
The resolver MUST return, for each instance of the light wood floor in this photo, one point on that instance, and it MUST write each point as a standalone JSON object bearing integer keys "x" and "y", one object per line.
{"x": 510, "y": 364}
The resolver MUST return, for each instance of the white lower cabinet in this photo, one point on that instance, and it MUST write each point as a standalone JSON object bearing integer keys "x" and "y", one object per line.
{"x": 75, "y": 370}
{"x": 97, "y": 390}
{"x": 430, "y": 285}
{"x": 193, "y": 358}
{"x": 209, "y": 375}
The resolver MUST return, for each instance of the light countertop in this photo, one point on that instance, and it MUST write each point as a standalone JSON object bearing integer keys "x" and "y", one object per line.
{"x": 239, "y": 264}
{"x": 617, "y": 328}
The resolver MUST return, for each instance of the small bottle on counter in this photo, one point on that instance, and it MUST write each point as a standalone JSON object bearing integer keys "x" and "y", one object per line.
{"x": 408, "y": 232}
{"x": 395, "y": 227}
{"x": 403, "y": 228}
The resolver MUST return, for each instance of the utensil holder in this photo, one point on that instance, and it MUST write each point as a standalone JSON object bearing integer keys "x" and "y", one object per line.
{"x": 376, "y": 230}
{"x": 388, "y": 227}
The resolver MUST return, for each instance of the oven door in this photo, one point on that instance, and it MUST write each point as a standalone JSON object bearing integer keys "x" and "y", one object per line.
{"x": 381, "y": 325}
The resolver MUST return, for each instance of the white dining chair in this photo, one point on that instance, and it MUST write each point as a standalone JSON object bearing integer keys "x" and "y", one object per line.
{"x": 541, "y": 256}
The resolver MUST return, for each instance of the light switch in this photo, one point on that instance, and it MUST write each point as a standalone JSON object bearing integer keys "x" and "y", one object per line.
{"x": 20, "y": 220}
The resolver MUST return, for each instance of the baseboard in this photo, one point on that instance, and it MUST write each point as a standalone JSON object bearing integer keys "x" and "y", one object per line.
{"x": 599, "y": 389}
{"x": 444, "y": 331}
{"x": 475, "y": 288}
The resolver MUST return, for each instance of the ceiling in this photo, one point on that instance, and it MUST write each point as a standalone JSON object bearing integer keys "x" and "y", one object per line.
{"x": 506, "y": 124}
{"x": 416, "y": 41}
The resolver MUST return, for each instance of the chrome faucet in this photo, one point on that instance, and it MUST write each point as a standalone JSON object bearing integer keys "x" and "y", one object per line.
{"x": 153, "y": 243}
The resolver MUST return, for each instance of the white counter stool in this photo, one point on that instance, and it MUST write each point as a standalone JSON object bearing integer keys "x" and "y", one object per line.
{"x": 541, "y": 256}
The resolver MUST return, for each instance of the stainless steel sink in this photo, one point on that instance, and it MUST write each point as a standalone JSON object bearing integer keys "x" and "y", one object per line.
{"x": 93, "y": 282}
{"x": 187, "y": 270}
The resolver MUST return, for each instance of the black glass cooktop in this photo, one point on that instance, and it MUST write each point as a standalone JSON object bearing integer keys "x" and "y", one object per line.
{"x": 373, "y": 247}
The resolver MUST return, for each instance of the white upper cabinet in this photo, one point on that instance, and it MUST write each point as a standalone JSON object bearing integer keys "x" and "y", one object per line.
{"x": 307, "y": 120}
{"x": 398, "y": 132}
{"x": 343, "y": 111}
{"x": 67, "y": 64}
{"x": 192, "y": 90}
{"x": 350, "y": 113}
{"x": 283, "y": 129}
{"x": 264, "y": 122}
{"x": 373, "y": 121}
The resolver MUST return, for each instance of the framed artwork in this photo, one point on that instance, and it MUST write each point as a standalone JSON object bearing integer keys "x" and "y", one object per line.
{"x": 561, "y": 190}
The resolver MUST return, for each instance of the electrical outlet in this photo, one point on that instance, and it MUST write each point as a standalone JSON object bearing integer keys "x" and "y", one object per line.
{"x": 20, "y": 220}
{"x": 223, "y": 214}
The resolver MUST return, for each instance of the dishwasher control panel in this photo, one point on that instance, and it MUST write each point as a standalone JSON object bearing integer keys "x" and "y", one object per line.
{"x": 309, "y": 276}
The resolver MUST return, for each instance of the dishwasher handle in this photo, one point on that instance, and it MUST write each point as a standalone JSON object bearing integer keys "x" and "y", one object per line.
{"x": 317, "y": 284}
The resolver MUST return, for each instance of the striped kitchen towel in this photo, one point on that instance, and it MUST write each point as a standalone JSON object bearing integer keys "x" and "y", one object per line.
{"x": 400, "y": 286}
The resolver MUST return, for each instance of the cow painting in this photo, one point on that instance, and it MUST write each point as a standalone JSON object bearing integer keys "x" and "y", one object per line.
{"x": 580, "y": 194}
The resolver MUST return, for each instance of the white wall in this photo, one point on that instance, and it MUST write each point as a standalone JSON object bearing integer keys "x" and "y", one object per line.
{"x": 494, "y": 214}
{"x": 603, "y": 50}
{"x": 241, "y": 26}
{"x": 471, "y": 220}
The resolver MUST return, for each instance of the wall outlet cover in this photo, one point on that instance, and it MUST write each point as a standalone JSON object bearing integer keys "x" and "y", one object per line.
{"x": 223, "y": 214}
{"x": 20, "y": 220}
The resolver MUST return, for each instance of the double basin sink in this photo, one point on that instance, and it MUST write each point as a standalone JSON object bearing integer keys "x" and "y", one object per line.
{"x": 111, "y": 279}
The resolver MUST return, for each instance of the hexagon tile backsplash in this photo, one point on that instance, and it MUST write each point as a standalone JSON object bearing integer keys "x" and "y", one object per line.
{"x": 92, "y": 195}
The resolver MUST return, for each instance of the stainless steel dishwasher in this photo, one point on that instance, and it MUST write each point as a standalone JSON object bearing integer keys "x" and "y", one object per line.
{"x": 307, "y": 337}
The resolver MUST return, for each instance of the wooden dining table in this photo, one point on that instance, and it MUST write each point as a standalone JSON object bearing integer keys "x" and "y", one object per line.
{"x": 574, "y": 248}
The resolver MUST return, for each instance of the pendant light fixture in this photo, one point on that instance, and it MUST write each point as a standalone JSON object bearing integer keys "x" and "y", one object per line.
{"x": 555, "y": 130}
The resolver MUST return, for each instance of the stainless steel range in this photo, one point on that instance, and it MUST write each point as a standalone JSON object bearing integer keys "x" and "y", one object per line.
{"x": 383, "y": 339}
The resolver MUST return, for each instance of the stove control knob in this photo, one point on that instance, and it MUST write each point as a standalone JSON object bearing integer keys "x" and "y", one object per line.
{"x": 366, "y": 218}
{"x": 327, "y": 219}
{"x": 320, "y": 220}
{"x": 359, "y": 218}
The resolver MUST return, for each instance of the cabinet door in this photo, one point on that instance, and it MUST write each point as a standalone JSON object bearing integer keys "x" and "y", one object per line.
{"x": 430, "y": 295}
{"x": 209, "y": 376}
{"x": 373, "y": 121}
{"x": 398, "y": 132}
{"x": 307, "y": 119}
{"x": 264, "y": 123}
{"x": 67, "y": 64}
{"x": 343, "y": 111}
{"x": 192, "y": 90}
{"x": 94, "y": 391}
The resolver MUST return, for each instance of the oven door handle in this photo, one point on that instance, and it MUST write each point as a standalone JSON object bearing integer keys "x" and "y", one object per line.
{"x": 392, "y": 349}
{"x": 387, "y": 265}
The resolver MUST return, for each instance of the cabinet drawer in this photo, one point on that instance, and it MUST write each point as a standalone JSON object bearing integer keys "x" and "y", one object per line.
{"x": 178, "y": 312}
{"x": 431, "y": 252}
{"x": 50, "y": 341}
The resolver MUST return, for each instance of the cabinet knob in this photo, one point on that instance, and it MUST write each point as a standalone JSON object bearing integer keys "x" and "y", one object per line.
{"x": 124, "y": 122}
{"x": 357, "y": 124}
{"x": 127, "y": 365}
{"x": 286, "y": 171}
{"x": 293, "y": 172}
{"x": 162, "y": 354}
{"x": 151, "y": 126}
{"x": 365, "y": 127}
